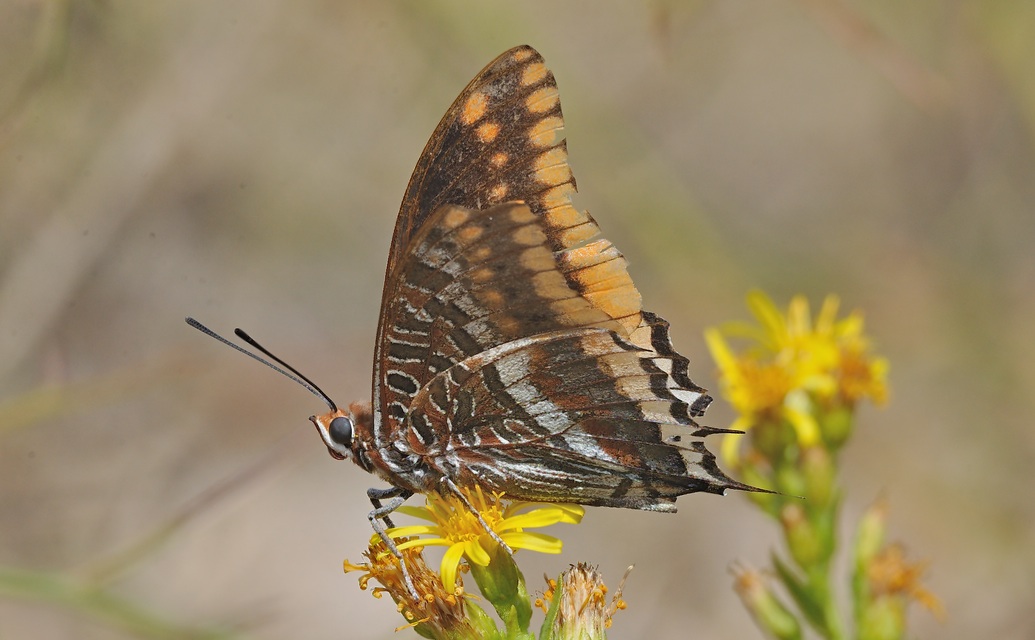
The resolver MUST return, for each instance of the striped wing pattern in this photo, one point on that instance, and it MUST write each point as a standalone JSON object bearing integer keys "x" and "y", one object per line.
{"x": 512, "y": 350}
{"x": 501, "y": 140}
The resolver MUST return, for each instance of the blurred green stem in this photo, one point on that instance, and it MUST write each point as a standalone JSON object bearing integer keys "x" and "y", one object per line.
{"x": 98, "y": 604}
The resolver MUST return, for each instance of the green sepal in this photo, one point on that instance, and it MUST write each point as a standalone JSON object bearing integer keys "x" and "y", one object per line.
{"x": 548, "y": 630}
{"x": 502, "y": 584}
{"x": 482, "y": 622}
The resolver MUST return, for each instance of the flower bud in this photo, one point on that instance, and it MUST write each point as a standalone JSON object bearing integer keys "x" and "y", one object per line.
{"x": 769, "y": 613}
{"x": 837, "y": 425}
{"x": 803, "y": 539}
{"x": 818, "y": 476}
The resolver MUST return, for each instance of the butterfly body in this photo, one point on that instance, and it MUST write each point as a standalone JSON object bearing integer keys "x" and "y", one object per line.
{"x": 512, "y": 349}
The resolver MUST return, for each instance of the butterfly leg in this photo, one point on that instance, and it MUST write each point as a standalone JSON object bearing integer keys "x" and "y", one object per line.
{"x": 377, "y": 495}
{"x": 455, "y": 490}
{"x": 380, "y": 512}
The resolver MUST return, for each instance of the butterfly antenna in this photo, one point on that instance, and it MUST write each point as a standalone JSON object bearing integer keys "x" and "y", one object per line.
{"x": 294, "y": 374}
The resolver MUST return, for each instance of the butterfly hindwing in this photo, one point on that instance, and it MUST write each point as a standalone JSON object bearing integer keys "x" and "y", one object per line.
{"x": 577, "y": 414}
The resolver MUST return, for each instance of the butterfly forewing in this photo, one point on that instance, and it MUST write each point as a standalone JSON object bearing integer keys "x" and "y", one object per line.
{"x": 499, "y": 141}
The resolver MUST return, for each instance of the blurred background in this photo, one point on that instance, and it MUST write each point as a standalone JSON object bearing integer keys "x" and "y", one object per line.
{"x": 243, "y": 162}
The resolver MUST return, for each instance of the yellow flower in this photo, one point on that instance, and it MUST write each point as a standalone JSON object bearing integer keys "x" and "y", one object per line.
{"x": 454, "y": 526}
{"x": 794, "y": 365}
{"x": 761, "y": 392}
{"x": 438, "y": 612}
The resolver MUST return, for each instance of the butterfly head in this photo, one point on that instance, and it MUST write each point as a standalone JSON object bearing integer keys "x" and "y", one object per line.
{"x": 336, "y": 429}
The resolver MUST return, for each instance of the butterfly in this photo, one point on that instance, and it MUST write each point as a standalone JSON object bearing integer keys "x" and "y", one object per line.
{"x": 513, "y": 352}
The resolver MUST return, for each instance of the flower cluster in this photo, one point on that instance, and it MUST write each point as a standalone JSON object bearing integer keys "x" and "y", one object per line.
{"x": 443, "y": 609}
{"x": 455, "y": 526}
{"x": 795, "y": 373}
{"x": 795, "y": 383}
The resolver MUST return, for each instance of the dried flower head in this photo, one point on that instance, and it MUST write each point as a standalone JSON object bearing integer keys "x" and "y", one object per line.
{"x": 580, "y": 600}
{"x": 438, "y": 613}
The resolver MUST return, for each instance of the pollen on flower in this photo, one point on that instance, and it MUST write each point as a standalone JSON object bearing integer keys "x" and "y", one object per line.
{"x": 437, "y": 610}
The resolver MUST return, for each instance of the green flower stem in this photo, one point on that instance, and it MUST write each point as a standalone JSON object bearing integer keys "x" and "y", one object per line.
{"x": 819, "y": 585}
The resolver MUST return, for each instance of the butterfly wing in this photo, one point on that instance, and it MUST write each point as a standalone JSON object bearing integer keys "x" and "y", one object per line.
{"x": 539, "y": 383}
{"x": 501, "y": 140}
{"x": 512, "y": 348}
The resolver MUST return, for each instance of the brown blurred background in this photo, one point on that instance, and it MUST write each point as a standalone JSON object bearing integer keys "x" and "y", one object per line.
{"x": 243, "y": 162}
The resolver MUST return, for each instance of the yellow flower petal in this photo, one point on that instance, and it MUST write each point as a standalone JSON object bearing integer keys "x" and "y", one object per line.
{"x": 476, "y": 553}
{"x": 532, "y": 541}
{"x": 538, "y": 518}
{"x": 422, "y": 542}
{"x": 825, "y": 321}
{"x": 805, "y": 426}
{"x": 763, "y": 308}
{"x": 799, "y": 321}
{"x": 721, "y": 352}
{"x": 413, "y": 530}
{"x": 449, "y": 565}
{"x": 417, "y": 512}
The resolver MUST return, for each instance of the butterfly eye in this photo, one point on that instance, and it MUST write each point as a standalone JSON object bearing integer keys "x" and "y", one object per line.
{"x": 340, "y": 431}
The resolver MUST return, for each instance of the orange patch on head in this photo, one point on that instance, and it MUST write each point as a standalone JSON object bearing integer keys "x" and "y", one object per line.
{"x": 546, "y": 131}
{"x": 498, "y": 159}
{"x": 533, "y": 74}
{"x": 542, "y": 100}
{"x": 474, "y": 108}
{"x": 552, "y": 167}
{"x": 487, "y": 132}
